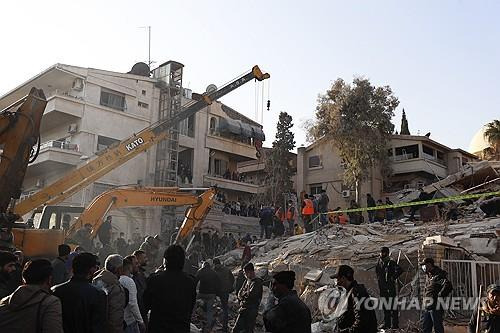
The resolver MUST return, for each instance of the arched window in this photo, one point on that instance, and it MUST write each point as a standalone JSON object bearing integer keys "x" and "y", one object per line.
{"x": 213, "y": 125}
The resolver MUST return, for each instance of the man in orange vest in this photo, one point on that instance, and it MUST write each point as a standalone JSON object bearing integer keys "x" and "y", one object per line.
{"x": 290, "y": 217}
{"x": 307, "y": 212}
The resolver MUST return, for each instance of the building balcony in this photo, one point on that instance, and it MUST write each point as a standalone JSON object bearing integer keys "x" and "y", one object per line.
{"x": 430, "y": 166}
{"x": 238, "y": 148}
{"x": 251, "y": 166}
{"x": 61, "y": 110}
{"x": 54, "y": 155}
{"x": 234, "y": 185}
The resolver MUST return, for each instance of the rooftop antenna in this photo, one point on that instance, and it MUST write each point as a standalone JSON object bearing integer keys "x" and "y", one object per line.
{"x": 149, "y": 44}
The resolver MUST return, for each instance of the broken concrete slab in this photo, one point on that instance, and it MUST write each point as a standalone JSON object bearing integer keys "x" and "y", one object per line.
{"x": 314, "y": 275}
{"x": 438, "y": 239}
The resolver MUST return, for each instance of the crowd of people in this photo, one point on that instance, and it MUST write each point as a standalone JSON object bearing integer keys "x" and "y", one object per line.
{"x": 73, "y": 293}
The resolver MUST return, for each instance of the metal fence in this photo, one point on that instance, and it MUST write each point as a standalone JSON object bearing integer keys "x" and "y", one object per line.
{"x": 467, "y": 275}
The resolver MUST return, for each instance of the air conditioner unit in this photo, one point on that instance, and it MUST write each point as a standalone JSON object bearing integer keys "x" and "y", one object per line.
{"x": 346, "y": 194}
{"x": 72, "y": 128}
{"x": 40, "y": 183}
{"x": 77, "y": 84}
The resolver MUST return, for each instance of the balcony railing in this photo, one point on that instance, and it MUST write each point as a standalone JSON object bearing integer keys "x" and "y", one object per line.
{"x": 60, "y": 145}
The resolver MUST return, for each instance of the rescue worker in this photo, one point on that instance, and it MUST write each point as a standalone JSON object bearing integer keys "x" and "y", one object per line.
{"x": 290, "y": 314}
{"x": 359, "y": 316}
{"x": 104, "y": 232}
{"x": 437, "y": 286}
{"x": 307, "y": 212}
{"x": 388, "y": 271}
{"x": 249, "y": 296}
{"x": 490, "y": 312}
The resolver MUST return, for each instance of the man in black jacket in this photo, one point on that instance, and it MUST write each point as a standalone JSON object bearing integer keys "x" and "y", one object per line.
{"x": 437, "y": 287}
{"x": 359, "y": 316}
{"x": 249, "y": 296}
{"x": 7, "y": 266}
{"x": 83, "y": 305}
{"x": 388, "y": 271}
{"x": 290, "y": 315}
{"x": 139, "y": 276}
{"x": 170, "y": 295}
{"x": 226, "y": 286}
{"x": 209, "y": 286}
{"x": 490, "y": 312}
{"x": 60, "y": 274}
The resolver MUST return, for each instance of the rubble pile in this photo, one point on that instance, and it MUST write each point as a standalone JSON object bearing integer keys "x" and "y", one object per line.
{"x": 314, "y": 256}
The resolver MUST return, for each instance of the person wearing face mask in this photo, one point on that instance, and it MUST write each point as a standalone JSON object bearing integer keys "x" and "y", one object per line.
{"x": 489, "y": 320}
{"x": 291, "y": 314}
{"x": 437, "y": 287}
{"x": 359, "y": 316}
{"x": 388, "y": 271}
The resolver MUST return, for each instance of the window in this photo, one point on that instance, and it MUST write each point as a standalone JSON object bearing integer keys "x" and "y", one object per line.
{"x": 104, "y": 142}
{"x": 213, "y": 125}
{"x": 428, "y": 152}
{"x": 406, "y": 153}
{"x": 113, "y": 99}
{"x": 315, "y": 188}
{"x": 220, "y": 167}
{"x": 144, "y": 93}
{"x": 314, "y": 161}
{"x": 143, "y": 105}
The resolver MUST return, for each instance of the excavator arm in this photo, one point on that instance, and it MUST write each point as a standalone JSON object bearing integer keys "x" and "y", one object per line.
{"x": 145, "y": 197}
{"x": 115, "y": 156}
{"x": 19, "y": 132}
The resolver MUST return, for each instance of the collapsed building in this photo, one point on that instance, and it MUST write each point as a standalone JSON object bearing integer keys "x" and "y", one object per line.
{"x": 464, "y": 244}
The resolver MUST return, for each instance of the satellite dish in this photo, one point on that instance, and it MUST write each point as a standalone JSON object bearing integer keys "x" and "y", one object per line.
{"x": 141, "y": 69}
{"x": 211, "y": 88}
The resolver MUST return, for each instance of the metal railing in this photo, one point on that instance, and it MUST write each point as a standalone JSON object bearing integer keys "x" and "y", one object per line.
{"x": 59, "y": 144}
{"x": 466, "y": 276}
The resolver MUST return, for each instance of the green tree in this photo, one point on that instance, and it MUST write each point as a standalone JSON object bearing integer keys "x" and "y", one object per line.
{"x": 404, "y": 125}
{"x": 492, "y": 134}
{"x": 357, "y": 118}
{"x": 278, "y": 168}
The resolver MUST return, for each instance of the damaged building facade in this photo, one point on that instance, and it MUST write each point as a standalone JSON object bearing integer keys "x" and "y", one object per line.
{"x": 416, "y": 161}
{"x": 85, "y": 106}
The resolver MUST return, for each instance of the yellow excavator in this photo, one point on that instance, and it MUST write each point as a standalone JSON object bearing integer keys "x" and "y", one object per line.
{"x": 19, "y": 133}
{"x": 106, "y": 161}
{"x": 123, "y": 197}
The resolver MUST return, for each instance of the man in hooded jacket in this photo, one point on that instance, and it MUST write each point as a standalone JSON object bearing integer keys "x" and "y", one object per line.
{"x": 32, "y": 308}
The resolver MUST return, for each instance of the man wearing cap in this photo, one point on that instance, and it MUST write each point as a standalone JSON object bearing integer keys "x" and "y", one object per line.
{"x": 437, "y": 287}
{"x": 490, "y": 312}
{"x": 249, "y": 296}
{"x": 388, "y": 271}
{"x": 290, "y": 315}
{"x": 226, "y": 279}
{"x": 359, "y": 316}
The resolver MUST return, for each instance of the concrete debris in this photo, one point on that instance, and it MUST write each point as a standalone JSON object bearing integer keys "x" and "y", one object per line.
{"x": 314, "y": 275}
{"x": 443, "y": 240}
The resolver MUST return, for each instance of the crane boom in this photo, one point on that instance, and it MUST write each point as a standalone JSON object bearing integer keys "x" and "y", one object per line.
{"x": 116, "y": 155}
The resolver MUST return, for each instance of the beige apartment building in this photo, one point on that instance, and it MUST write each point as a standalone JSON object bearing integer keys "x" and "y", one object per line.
{"x": 90, "y": 109}
{"x": 416, "y": 161}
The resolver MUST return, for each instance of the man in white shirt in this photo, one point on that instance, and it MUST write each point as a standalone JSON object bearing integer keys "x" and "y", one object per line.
{"x": 132, "y": 315}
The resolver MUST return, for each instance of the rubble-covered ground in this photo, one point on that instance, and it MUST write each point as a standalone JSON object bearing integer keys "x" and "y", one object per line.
{"x": 314, "y": 256}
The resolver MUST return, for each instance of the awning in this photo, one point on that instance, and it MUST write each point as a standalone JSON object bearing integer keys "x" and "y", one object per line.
{"x": 258, "y": 134}
{"x": 229, "y": 126}
{"x": 246, "y": 130}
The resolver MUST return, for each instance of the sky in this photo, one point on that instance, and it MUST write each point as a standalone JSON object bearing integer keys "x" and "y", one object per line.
{"x": 441, "y": 58}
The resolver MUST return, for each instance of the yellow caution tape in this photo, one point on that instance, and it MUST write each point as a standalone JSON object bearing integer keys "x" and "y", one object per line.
{"x": 417, "y": 203}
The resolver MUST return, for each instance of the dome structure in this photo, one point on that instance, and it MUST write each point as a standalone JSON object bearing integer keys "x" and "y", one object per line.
{"x": 478, "y": 142}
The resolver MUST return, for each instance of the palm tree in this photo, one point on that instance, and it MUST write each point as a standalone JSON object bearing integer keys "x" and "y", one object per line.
{"x": 492, "y": 134}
